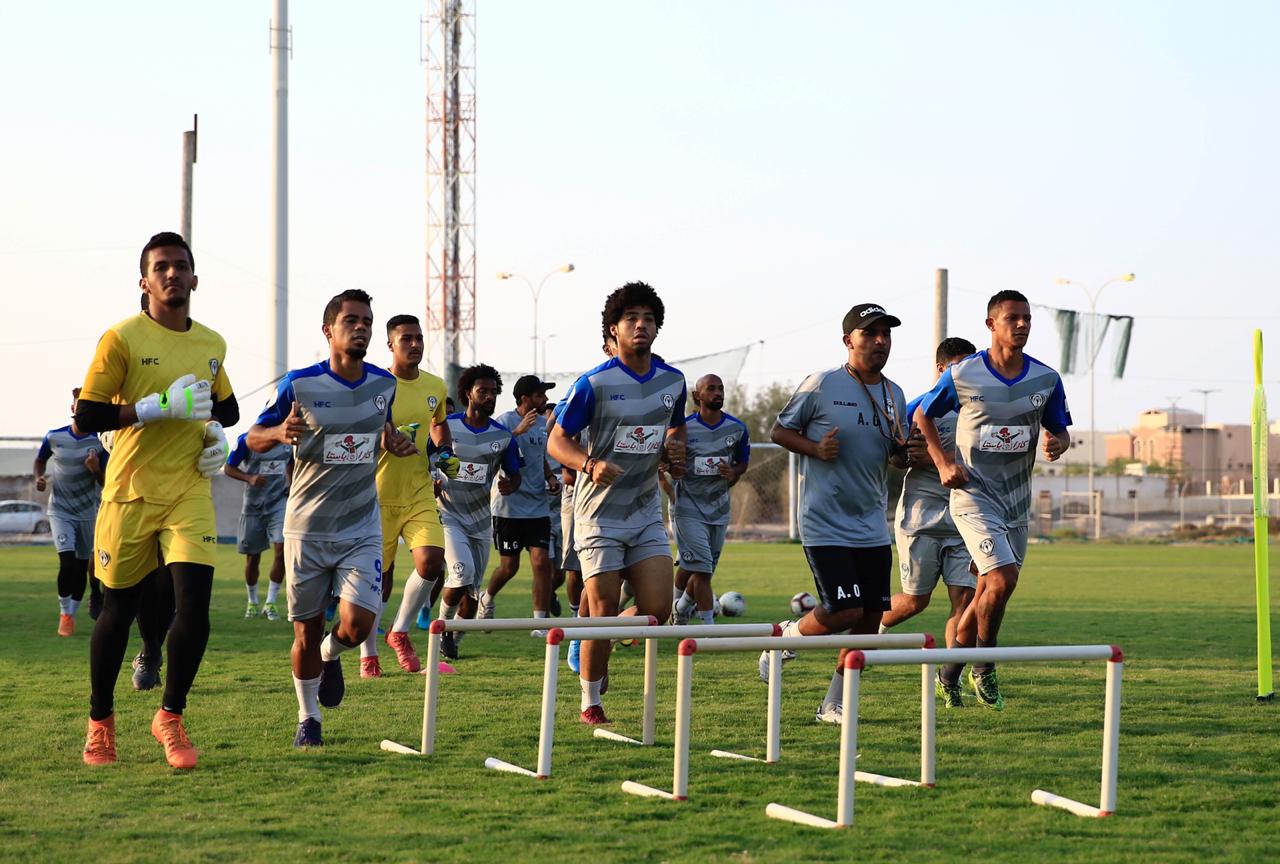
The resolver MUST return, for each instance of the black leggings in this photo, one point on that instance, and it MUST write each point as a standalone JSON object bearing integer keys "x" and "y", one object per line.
{"x": 192, "y": 585}
{"x": 73, "y": 575}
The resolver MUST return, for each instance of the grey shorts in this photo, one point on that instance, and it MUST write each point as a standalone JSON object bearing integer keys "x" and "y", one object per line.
{"x": 316, "y": 571}
{"x": 72, "y": 535}
{"x": 570, "y": 561}
{"x": 922, "y": 558}
{"x": 257, "y": 532}
{"x": 557, "y": 543}
{"x": 465, "y": 558}
{"x": 990, "y": 541}
{"x": 700, "y": 544}
{"x": 603, "y": 550}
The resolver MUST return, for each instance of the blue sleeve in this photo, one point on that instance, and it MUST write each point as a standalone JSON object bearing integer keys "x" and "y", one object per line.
{"x": 742, "y": 453}
{"x": 579, "y": 406}
{"x": 942, "y": 399}
{"x": 103, "y": 458}
{"x": 1056, "y": 417}
{"x": 274, "y": 414}
{"x": 911, "y": 412}
{"x": 677, "y": 411}
{"x": 45, "y": 450}
{"x": 511, "y": 458}
{"x": 240, "y": 453}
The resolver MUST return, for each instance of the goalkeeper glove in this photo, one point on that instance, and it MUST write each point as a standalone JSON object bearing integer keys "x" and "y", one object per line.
{"x": 186, "y": 399}
{"x": 447, "y": 462}
{"x": 215, "y": 451}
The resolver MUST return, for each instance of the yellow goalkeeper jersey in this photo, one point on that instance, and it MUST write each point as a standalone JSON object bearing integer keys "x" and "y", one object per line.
{"x": 402, "y": 482}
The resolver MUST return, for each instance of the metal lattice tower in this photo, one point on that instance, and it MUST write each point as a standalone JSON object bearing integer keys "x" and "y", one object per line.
{"x": 449, "y": 41}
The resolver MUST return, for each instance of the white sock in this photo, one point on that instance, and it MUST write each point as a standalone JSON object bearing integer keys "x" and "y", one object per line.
{"x": 685, "y": 604}
{"x": 273, "y": 591}
{"x": 72, "y": 605}
{"x": 448, "y": 612}
{"x": 64, "y": 603}
{"x": 308, "y": 691}
{"x": 883, "y": 630}
{"x": 791, "y": 628}
{"x": 417, "y": 594}
{"x": 835, "y": 690}
{"x": 708, "y": 616}
{"x": 369, "y": 647}
{"x": 676, "y": 594}
{"x": 573, "y": 611}
{"x": 331, "y": 648}
{"x": 252, "y": 590}
{"x": 486, "y": 599}
{"x": 590, "y": 692}
{"x": 538, "y": 614}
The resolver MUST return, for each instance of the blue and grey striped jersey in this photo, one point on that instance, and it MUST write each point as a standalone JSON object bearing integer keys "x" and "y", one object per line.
{"x": 925, "y": 504}
{"x": 627, "y": 417}
{"x": 74, "y": 493}
{"x": 464, "y": 500}
{"x": 997, "y": 431}
{"x": 702, "y": 493}
{"x": 270, "y": 465}
{"x": 334, "y": 494}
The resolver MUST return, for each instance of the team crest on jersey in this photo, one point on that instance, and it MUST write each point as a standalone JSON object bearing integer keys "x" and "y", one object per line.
{"x": 432, "y": 402}
{"x": 104, "y": 558}
{"x": 731, "y": 440}
{"x": 380, "y": 403}
{"x": 1037, "y": 399}
{"x": 62, "y": 538}
{"x": 668, "y": 401}
{"x": 213, "y": 366}
{"x": 986, "y": 546}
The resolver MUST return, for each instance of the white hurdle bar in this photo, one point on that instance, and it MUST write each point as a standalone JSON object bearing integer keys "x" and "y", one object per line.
{"x": 431, "y": 669}
{"x": 775, "y": 646}
{"x": 551, "y": 676}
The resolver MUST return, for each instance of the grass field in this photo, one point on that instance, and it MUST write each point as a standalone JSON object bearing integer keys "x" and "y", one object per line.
{"x": 1198, "y": 757}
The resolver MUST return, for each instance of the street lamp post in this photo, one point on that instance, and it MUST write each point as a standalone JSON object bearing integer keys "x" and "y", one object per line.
{"x": 545, "y": 340}
{"x": 536, "y": 292}
{"x": 1204, "y": 434}
{"x": 1093, "y": 296}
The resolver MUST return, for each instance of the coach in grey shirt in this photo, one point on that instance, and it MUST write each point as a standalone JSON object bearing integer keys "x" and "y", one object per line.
{"x": 847, "y": 424}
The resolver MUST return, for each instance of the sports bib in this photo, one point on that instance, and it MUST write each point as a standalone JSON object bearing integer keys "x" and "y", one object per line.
{"x": 274, "y": 466}
{"x": 355, "y": 448}
{"x": 639, "y": 440}
{"x": 472, "y": 472}
{"x": 1004, "y": 439}
{"x": 707, "y": 466}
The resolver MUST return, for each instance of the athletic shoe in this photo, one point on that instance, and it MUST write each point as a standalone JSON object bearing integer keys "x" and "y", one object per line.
{"x": 331, "y": 610}
{"x": 100, "y": 742}
{"x": 830, "y": 712}
{"x": 424, "y": 618}
{"x": 405, "y": 655}
{"x": 443, "y": 668}
{"x": 95, "y": 605}
{"x": 677, "y": 617}
{"x": 987, "y": 689}
{"x": 448, "y": 646}
{"x": 594, "y": 716}
{"x": 574, "y": 659}
{"x": 950, "y": 694}
{"x": 332, "y": 685}
{"x": 146, "y": 672}
{"x": 251, "y": 610}
{"x": 787, "y": 656}
{"x": 66, "y": 625}
{"x": 556, "y": 608}
{"x": 168, "y": 730}
{"x": 270, "y": 612}
{"x": 370, "y": 667}
{"x": 308, "y": 734}
{"x": 487, "y": 608}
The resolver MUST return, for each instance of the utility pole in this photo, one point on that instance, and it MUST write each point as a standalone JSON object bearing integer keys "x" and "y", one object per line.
{"x": 939, "y": 310}
{"x": 281, "y": 44}
{"x": 1204, "y": 434}
{"x": 188, "y": 169}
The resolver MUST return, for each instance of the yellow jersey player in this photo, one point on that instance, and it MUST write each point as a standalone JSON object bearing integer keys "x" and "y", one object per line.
{"x": 158, "y": 378}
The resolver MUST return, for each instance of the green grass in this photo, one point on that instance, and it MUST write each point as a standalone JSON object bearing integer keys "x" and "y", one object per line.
{"x": 1198, "y": 757}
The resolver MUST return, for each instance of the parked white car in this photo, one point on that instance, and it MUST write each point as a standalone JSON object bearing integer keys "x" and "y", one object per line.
{"x": 22, "y": 517}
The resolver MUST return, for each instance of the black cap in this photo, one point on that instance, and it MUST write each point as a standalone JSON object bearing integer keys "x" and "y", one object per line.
{"x": 863, "y": 314}
{"x": 527, "y": 385}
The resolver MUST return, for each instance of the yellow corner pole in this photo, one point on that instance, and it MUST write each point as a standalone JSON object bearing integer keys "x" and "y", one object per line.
{"x": 1261, "y": 512}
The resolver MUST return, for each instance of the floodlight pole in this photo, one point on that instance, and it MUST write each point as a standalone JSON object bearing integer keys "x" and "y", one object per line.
{"x": 188, "y": 170}
{"x": 1204, "y": 434}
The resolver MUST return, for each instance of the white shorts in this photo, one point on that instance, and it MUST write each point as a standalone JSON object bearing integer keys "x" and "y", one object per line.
{"x": 991, "y": 542}
{"x": 604, "y": 550}
{"x": 922, "y": 558}
{"x": 556, "y": 552}
{"x": 465, "y": 558}
{"x": 316, "y": 571}
{"x": 73, "y": 535}
{"x": 700, "y": 544}
{"x": 571, "y": 561}
{"x": 258, "y": 532}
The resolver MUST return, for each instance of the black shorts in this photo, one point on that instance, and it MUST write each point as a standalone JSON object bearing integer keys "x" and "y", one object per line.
{"x": 849, "y": 578}
{"x": 511, "y": 536}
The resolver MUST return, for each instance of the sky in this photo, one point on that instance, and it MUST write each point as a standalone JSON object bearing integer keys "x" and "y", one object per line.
{"x": 764, "y": 166}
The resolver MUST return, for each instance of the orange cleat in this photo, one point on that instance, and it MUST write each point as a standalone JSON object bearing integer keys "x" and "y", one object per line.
{"x": 100, "y": 742}
{"x": 405, "y": 655}
{"x": 66, "y": 625}
{"x": 370, "y": 667}
{"x": 168, "y": 730}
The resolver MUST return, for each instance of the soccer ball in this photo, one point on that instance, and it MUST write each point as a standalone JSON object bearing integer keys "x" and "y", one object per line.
{"x": 802, "y": 604}
{"x": 733, "y": 604}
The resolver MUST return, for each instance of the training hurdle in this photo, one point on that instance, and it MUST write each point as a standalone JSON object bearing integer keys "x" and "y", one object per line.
{"x": 928, "y": 660}
{"x": 775, "y": 646}
{"x": 650, "y": 633}
{"x": 431, "y": 667}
